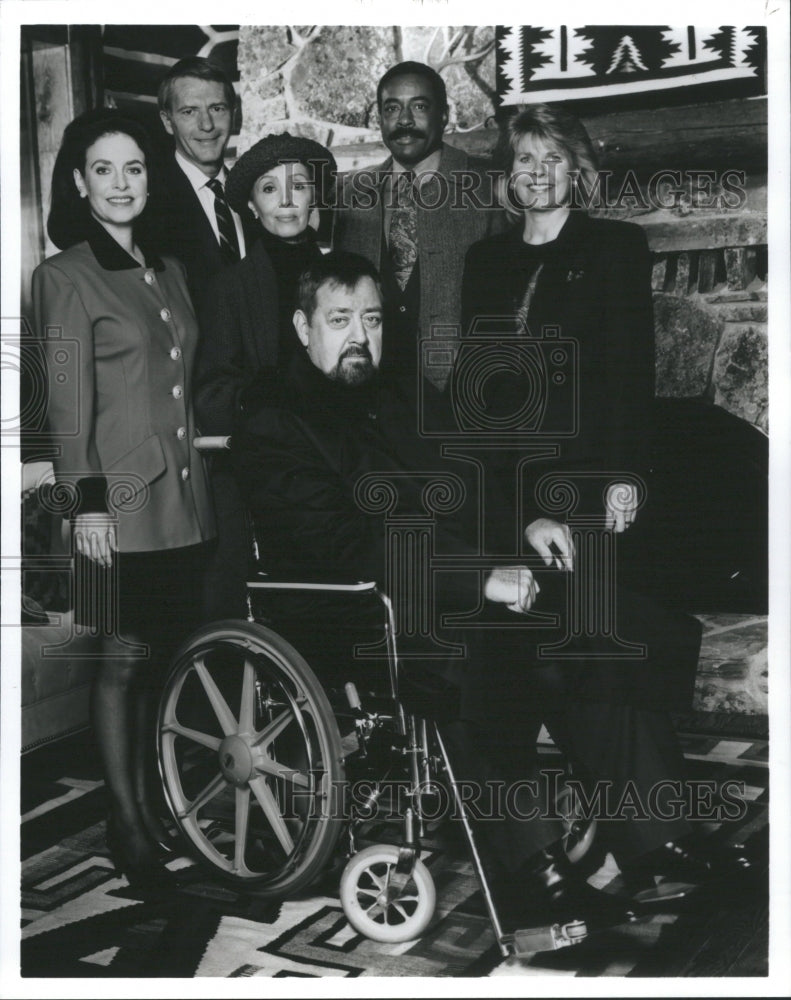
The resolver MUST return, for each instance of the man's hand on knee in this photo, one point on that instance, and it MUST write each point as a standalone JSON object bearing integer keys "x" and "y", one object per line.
{"x": 544, "y": 533}
{"x": 514, "y": 586}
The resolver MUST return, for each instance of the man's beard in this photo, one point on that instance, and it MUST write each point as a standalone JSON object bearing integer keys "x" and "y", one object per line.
{"x": 355, "y": 372}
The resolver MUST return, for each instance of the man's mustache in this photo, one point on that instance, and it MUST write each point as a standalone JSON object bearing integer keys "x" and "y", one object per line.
{"x": 407, "y": 133}
{"x": 356, "y": 351}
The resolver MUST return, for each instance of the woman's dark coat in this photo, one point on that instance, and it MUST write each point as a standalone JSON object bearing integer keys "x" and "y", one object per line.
{"x": 592, "y": 298}
{"x": 246, "y": 326}
{"x": 239, "y": 335}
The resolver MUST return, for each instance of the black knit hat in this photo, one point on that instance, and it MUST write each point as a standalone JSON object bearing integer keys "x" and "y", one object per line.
{"x": 268, "y": 153}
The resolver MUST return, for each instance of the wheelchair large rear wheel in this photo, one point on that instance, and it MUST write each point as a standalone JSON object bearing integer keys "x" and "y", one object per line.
{"x": 250, "y": 757}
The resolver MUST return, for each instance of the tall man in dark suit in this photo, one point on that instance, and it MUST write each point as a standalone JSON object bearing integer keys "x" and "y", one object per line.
{"x": 415, "y": 215}
{"x": 197, "y": 225}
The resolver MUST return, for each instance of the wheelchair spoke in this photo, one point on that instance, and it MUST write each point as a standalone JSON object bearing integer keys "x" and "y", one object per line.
{"x": 224, "y": 715}
{"x": 272, "y": 812}
{"x": 242, "y": 818}
{"x": 400, "y": 909}
{"x": 274, "y": 729}
{"x": 214, "y": 787}
{"x": 247, "y": 700}
{"x": 380, "y": 883}
{"x": 212, "y": 742}
{"x": 244, "y": 727}
{"x": 268, "y": 766}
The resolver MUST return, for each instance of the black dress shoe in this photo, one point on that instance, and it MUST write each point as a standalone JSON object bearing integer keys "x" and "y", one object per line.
{"x": 146, "y": 875}
{"x": 691, "y": 860}
{"x": 561, "y": 897}
{"x": 169, "y": 847}
{"x": 151, "y": 879}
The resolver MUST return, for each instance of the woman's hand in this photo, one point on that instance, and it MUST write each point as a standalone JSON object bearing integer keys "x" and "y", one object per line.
{"x": 94, "y": 537}
{"x": 620, "y": 506}
{"x": 513, "y": 586}
{"x": 544, "y": 532}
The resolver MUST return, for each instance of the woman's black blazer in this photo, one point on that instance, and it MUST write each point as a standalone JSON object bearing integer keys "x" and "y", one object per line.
{"x": 591, "y": 318}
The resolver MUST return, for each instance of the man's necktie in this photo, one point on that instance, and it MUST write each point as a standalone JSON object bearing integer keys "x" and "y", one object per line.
{"x": 229, "y": 242}
{"x": 403, "y": 229}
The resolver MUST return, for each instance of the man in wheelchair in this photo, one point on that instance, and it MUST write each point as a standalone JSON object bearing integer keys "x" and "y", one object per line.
{"x": 334, "y": 466}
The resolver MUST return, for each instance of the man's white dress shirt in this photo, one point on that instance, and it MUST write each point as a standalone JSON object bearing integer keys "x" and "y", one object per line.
{"x": 199, "y": 182}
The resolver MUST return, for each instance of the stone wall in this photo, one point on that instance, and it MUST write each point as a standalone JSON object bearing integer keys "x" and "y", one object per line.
{"x": 711, "y": 328}
{"x": 320, "y": 81}
{"x": 710, "y": 297}
{"x": 733, "y": 669}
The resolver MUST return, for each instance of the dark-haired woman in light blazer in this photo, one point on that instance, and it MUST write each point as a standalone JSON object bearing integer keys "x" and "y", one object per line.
{"x": 141, "y": 510}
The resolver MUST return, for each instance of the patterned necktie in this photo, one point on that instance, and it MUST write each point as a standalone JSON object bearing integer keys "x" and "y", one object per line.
{"x": 403, "y": 229}
{"x": 229, "y": 242}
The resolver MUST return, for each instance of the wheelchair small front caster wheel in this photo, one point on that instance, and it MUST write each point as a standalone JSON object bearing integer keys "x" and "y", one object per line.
{"x": 382, "y": 904}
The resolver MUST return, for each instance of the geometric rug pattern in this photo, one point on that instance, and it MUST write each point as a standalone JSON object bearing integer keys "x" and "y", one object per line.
{"x": 82, "y": 920}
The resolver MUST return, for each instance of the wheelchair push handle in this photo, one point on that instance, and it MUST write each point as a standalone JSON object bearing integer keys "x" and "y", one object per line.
{"x": 352, "y": 696}
{"x": 216, "y": 442}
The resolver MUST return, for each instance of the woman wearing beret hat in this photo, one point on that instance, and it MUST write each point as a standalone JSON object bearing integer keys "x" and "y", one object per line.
{"x": 246, "y": 322}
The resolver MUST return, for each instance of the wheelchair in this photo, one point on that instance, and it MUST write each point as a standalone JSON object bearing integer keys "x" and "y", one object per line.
{"x": 258, "y": 757}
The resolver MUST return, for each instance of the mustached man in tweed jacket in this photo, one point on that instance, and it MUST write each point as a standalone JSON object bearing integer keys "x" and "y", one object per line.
{"x": 455, "y": 206}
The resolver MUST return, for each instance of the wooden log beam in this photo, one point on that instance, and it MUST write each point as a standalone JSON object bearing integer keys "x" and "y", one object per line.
{"x": 683, "y": 269}
{"x": 701, "y": 226}
{"x": 659, "y": 273}
{"x": 712, "y": 136}
{"x": 740, "y": 267}
{"x": 667, "y": 233}
{"x": 707, "y": 270}
{"x": 85, "y": 57}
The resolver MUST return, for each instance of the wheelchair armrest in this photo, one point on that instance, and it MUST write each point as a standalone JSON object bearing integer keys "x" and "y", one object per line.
{"x": 262, "y": 582}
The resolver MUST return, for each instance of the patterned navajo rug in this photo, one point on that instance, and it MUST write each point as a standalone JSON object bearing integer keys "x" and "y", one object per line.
{"x": 80, "y": 919}
{"x": 618, "y": 63}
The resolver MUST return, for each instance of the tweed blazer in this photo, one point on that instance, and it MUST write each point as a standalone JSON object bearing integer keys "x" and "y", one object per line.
{"x": 120, "y": 346}
{"x": 466, "y": 211}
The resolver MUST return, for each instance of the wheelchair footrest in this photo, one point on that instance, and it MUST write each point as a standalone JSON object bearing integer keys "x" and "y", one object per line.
{"x": 549, "y": 938}
{"x": 664, "y": 892}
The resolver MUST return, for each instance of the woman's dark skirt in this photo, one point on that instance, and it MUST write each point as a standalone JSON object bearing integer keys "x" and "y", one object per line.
{"x": 148, "y": 598}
